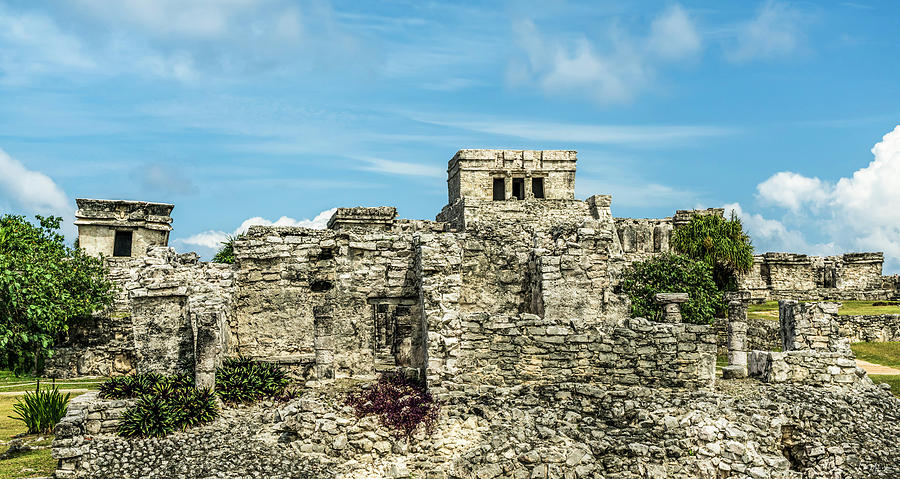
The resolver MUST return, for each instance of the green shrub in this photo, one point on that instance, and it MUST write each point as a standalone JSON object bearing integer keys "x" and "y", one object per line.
{"x": 165, "y": 403}
{"x": 243, "y": 380}
{"x": 672, "y": 274}
{"x": 193, "y": 407}
{"x": 41, "y": 410}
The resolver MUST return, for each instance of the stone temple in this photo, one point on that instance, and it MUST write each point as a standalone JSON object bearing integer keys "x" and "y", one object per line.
{"x": 507, "y": 307}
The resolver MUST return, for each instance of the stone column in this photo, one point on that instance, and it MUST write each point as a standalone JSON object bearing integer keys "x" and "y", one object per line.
{"x": 737, "y": 334}
{"x": 671, "y": 303}
{"x": 324, "y": 342}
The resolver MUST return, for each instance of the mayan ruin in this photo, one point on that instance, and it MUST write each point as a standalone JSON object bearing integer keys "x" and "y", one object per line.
{"x": 507, "y": 307}
{"x": 402, "y": 239}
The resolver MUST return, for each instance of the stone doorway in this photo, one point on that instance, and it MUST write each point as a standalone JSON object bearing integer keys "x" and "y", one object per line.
{"x": 393, "y": 328}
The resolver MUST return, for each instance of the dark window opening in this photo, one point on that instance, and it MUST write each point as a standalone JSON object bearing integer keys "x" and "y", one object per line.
{"x": 320, "y": 286}
{"x": 537, "y": 187}
{"x": 326, "y": 253}
{"x": 499, "y": 189}
{"x": 519, "y": 188}
{"x": 122, "y": 244}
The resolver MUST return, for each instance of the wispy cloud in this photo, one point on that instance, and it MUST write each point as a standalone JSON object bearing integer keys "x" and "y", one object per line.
{"x": 632, "y": 135}
{"x": 404, "y": 168}
{"x": 777, "y": 31}
{"x": 608, "y": 70}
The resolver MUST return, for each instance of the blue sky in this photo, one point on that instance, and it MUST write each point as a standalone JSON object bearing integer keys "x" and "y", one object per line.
{"x": 248, "y": 111}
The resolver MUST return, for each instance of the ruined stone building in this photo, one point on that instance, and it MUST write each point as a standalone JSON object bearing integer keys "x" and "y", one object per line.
{"x": 506, "y": 305}
{"x": 374, "y": 292}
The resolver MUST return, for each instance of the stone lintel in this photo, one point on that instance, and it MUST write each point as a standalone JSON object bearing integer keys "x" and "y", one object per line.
{"x": 670, "y": 298}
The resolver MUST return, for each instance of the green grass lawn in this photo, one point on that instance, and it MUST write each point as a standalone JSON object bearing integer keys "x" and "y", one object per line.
{"x": 37, "y": 463}
{"x": 12, "y": 383}
{"x": 769, "y": 309}
{"x": 885, "y": 354}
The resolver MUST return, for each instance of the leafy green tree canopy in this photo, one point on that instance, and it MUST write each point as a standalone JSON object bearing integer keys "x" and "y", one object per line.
{"x": 44, "y": 284}
{"x": 669, "y": 273}
{"x": 721, "y": 243}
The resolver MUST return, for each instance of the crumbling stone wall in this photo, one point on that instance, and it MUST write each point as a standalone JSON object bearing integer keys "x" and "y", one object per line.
{"x": 871, "y": 328}
{"x": 569, "y": 429}
{"x": 504, "y": 351}
{"x": 364, "y": 275}
{"x": 163, "y": 299}
{"x": 814, "y": 353}
{"x": 849, "y": 276}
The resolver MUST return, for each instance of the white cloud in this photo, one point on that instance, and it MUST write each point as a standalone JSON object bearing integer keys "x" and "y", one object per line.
{"x": 213, "y": 238}
{"x": 793, "y": 191}
{"x": 776, "y": 31}
{"x": 611, "y": 71}
{"x": 772, "y": 235}
{"x": 31, "y": 191}
{"x": 857, "y": 213}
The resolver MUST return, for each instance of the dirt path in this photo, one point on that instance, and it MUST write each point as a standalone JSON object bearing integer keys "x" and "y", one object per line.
{"x": 876, "y": 368}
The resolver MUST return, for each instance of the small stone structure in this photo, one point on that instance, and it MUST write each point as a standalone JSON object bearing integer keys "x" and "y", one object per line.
{"x": 671, "y": 305}
{"x": 814, "y": 351}
{"x": 121, "y": 229}
{"x": 737, "y": 334}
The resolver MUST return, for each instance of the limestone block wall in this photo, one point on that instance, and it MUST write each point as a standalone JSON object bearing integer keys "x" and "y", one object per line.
{"x": 814, "y": 368}
{"x": 439, "y": 260}
{"x": 584, "y": 259}
{"x": 641, "y": 237}
{"x": 508, "y": 350}
{"x": 810, "y": 326}
{"x": 762, "y": 334}
{"x": 871, "y": 328}
{"x": 153, "y": 326}
{"x": 849, "y": 276}
{"x": 815, "y": 353}
{"x": 361, "y": 275}
{"x": 470, "y": 173}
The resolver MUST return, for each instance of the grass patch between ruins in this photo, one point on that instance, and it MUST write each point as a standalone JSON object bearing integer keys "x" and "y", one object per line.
{"x": 885, "y": 354}
{"x": 769, "y": 309}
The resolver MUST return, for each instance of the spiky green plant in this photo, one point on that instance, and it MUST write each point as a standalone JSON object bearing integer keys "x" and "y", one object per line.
{"x": 41, "y": 410}
{"x": 720, "y": 243}
{"x": 151, "y": 416}
{"x": 226, "y": 252}
{"x": 242, "y": 380}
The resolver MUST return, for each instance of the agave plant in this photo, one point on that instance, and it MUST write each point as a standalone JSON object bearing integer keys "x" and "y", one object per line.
{"x": 41, "y": 410}
{"x": 243, "y": 380}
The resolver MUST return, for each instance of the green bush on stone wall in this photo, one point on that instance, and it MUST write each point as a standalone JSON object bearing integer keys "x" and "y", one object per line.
{"x": 670, "y": 273}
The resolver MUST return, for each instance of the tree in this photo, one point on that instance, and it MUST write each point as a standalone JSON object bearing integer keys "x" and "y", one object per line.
{"x": 44, "y": 285}
{"x": 668, "y": 273}
{"x": 226, "y": 252}
{"x": 720, "y": 243}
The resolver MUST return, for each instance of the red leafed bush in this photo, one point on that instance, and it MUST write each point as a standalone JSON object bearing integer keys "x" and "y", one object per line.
{"x": 399, "y": 403}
